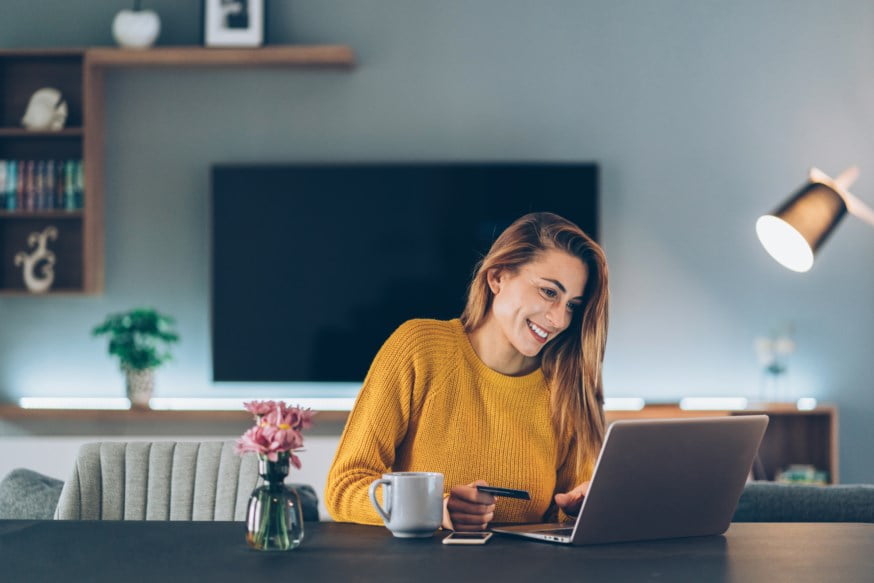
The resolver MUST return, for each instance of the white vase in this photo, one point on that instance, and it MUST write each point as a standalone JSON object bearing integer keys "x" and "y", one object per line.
{"x": 136, "y": 29}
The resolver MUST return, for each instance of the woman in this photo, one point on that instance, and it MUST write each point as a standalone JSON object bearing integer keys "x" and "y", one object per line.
{"x": 509, "y": 394}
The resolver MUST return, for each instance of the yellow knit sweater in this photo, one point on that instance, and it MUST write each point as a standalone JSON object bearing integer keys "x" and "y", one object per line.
{"x": 429, "y": 403}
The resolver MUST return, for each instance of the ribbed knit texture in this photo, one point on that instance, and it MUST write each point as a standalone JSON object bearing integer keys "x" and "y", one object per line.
{"x": 430, "y": 404}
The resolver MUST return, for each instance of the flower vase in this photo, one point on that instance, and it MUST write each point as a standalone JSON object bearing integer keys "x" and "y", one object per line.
{"x": 274, "y": 518}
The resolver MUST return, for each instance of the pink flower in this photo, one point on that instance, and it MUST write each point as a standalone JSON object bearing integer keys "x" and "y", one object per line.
{"x": 259, "y": 408}
{"x": 277, "y": 430}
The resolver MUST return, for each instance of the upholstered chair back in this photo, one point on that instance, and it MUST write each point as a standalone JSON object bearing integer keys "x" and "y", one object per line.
{"x": 158, "y": 481}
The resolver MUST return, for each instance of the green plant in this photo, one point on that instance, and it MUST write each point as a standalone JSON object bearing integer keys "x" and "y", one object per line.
{"x": 140, "y": 338}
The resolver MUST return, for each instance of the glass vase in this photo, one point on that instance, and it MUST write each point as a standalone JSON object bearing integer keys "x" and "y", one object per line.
{"x": 274, "y": 518}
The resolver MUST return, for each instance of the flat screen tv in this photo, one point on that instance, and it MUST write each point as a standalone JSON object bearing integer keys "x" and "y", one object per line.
{"x": 314, "y": 265}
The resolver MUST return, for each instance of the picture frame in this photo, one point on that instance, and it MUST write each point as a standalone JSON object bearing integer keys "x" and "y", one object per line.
{"x": 234, "y": 23}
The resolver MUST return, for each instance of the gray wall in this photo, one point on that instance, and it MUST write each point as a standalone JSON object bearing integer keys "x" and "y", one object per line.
{"x": 703, "y": 115}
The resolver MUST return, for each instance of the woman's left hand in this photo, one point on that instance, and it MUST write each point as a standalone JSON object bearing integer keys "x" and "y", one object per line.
{"x": 571, "y": 501}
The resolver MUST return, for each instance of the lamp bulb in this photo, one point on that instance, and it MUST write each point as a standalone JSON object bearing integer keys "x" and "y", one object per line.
{"x": 786, "y": 245}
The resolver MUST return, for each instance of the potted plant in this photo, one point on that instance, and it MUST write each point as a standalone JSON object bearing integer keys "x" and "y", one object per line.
{"x": 140, "y": 338}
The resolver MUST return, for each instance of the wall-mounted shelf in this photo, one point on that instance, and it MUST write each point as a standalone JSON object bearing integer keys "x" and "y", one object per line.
{"x": 793, "y": 436}
{"x": 276, "y": 56}
{"x": 23, "y": 133}
{"x": 15, "y": 420}
{"x": 40, "y": 215}
{"x": 79, "y": 74}
{"x": 806, "y": 437}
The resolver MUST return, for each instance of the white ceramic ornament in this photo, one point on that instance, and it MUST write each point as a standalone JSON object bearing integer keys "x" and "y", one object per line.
{"x": 46, "y": 110}
{"x": 136, "y": 29}
{"x": 40, "y": 256}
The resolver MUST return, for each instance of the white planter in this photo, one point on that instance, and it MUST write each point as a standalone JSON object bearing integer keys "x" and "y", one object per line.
{"x": 140, "y": 385}
{"x": 136, "y": 29}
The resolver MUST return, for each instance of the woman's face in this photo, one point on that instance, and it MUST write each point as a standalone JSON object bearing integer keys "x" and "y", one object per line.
{"x": 537, "y": 302}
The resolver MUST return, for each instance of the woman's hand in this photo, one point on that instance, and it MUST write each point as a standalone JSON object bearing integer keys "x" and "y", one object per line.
{"x": 571, "y": 501}
{"x": 466, "y": 508}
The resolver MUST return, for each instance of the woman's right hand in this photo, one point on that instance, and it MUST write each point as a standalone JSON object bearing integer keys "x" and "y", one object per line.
{"x": 468, "y": 509}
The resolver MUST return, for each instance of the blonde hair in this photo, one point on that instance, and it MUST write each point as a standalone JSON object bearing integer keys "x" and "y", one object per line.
{"x": 571, "y": 362}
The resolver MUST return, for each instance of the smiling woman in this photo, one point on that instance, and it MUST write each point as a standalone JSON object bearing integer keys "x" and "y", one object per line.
{"x": 509, "y": 394}
{"x": 530, "y": 307}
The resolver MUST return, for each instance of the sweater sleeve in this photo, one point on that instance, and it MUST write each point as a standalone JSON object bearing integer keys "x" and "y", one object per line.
{"x": 377, "y": 425}
{"x": 567, "y": 479}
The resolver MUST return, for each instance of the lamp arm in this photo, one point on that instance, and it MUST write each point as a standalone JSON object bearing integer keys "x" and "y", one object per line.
{"x": 858, "y": 208}
{"x": 841, "y": 185}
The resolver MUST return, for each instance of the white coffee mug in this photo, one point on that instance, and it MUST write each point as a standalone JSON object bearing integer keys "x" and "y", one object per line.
{"x": 413, "y": 503}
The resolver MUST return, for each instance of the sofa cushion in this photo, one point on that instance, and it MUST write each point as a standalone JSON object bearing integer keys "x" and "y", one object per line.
{"x": 771, "y": 502}
{"x": 26, "y": 494}
{"x": 309, "y": 501}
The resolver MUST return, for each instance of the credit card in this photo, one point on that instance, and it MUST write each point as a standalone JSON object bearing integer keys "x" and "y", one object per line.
{"x": 508, "y": 492}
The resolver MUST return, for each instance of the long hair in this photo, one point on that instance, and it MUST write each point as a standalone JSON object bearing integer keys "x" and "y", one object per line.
{"x": 571, "y": 362}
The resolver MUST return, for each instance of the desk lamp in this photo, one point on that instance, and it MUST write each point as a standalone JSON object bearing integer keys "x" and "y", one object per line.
{"x": 794, "y": 232}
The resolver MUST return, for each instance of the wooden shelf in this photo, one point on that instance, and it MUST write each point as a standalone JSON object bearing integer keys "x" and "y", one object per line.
{"x": 14, "y": 412}
{"x": 78, "y": 261}
{"x": 23, "y": 133}
{"x": 79, "y": 74}
{"x": 77, "y": 214}
{"x": 269, "y": 56}
{"x": 138, "y": 424}
{"x": 55, "y": 291}
{"x": 42, "y": 52}
{"x": 793, "y": 436}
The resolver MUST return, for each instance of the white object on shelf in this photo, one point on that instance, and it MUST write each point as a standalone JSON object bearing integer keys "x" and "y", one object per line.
{"x": 40, "y": 257}
{"x": 46, "y": 110}
{"x": 136, "y": 29}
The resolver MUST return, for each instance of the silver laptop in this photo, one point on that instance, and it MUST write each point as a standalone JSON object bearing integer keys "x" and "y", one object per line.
{"x": 661, "y": 478}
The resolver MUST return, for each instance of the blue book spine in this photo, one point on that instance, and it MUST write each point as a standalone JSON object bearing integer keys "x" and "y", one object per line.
{"x": 80, "y": 185}
{"x": 3, "y": 166}
{"x": 39, "y": 186}
{"x": 49, "y": 184}
{"x": 69, "y": 186}
{"x": 10, "y": 186}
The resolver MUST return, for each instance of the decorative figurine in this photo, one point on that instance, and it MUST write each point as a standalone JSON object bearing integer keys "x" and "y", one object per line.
{"x": 46, "y": 110}
{"x": 137, "y": 28}
{"x": 39, "y": 256}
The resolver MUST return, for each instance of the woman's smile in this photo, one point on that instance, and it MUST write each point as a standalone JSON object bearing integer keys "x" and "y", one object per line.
{"x": 539, "y": 333}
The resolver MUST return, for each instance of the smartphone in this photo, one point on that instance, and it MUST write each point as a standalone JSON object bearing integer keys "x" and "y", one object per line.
{"x": 467, "y": 538}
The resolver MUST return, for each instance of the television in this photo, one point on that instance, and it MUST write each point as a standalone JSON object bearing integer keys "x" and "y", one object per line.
{"x": 315, "y": 265}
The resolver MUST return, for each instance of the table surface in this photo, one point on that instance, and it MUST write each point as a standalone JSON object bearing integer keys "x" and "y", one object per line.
{"x": 216, "y": 551}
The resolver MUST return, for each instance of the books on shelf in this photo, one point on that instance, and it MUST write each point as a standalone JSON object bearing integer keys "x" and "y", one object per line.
{"x": 42, "y": 185}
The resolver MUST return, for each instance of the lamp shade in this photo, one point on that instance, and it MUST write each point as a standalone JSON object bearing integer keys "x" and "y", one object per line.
{"x": 794, "y": 232}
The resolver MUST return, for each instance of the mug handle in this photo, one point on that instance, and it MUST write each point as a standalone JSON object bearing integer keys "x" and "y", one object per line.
{"x": 385, "y": 513}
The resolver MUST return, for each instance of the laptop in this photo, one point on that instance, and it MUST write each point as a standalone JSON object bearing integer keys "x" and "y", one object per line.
{"x": 661, "y": 478}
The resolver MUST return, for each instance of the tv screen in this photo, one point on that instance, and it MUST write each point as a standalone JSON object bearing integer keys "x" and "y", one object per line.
{"x": 314, "y": 266}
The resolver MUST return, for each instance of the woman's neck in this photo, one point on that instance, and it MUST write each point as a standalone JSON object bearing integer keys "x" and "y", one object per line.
{"x": 495, "y": 351}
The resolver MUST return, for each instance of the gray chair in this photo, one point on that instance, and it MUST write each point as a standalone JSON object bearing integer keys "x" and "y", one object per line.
{"x": 164, "y": 481}
{"x": 770, "y": 502}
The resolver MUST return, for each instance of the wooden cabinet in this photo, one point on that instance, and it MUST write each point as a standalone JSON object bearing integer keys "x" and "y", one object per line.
{"x": 78, "y": 74}
{"x": 793, "y": 437}
{"x": 38, "y": 161}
